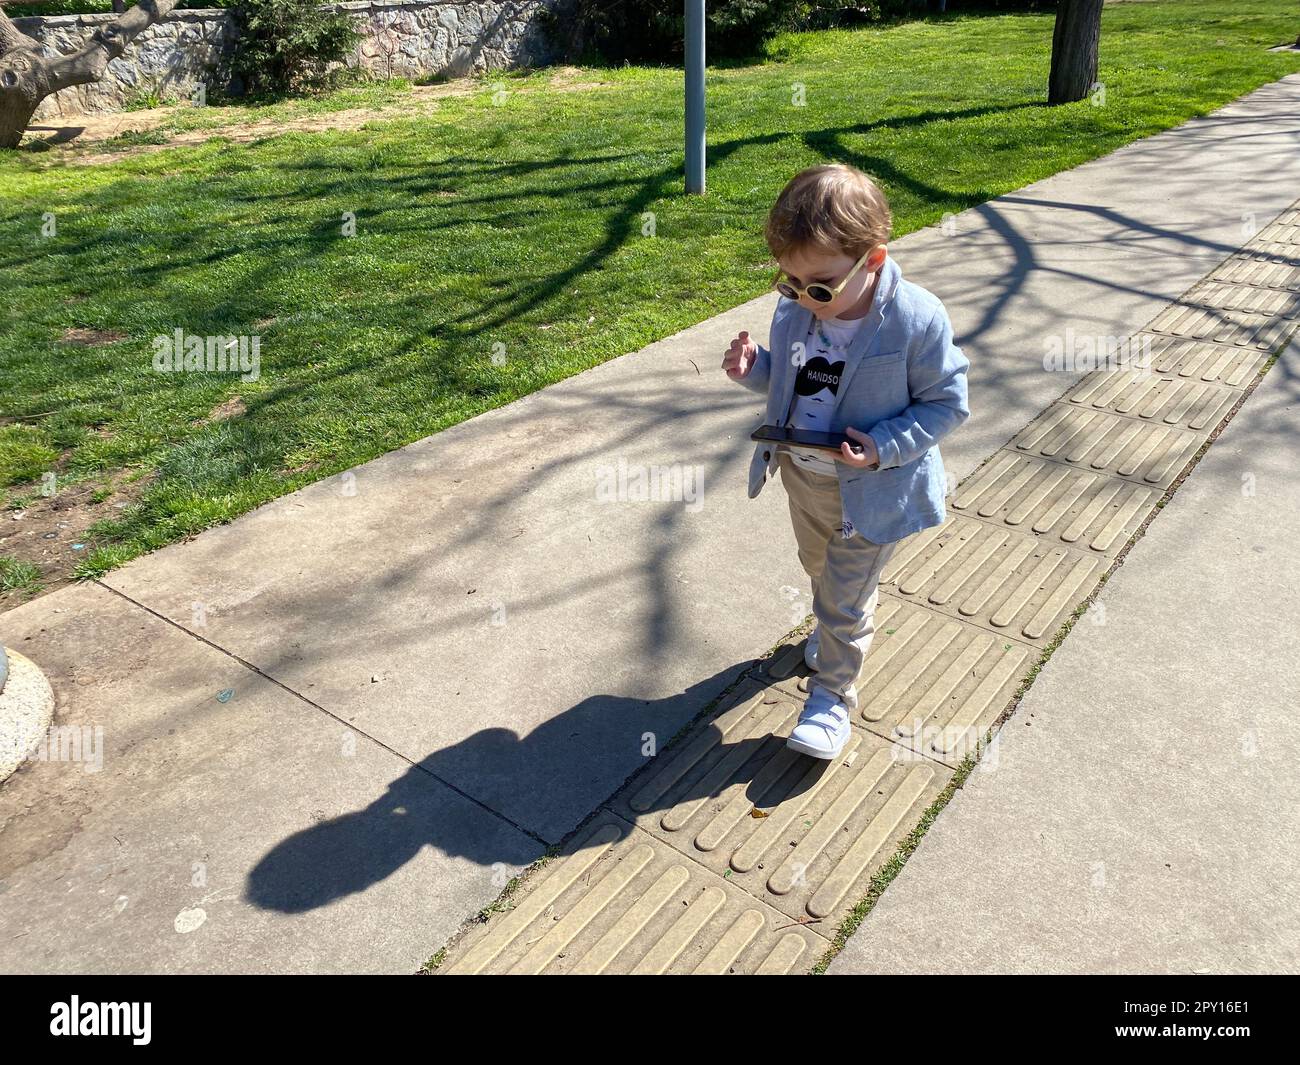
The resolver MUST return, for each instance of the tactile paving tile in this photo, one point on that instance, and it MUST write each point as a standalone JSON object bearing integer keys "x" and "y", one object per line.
{"x": 1265, "y": 269}
{"x": 619, "y": 901}
{"x": 1009, "y": 582}
{"x": 1202, "y": 315}
{"x": 1250, "y": 298}
{"x": 1085, "y": 510}
{"x": 1281, "y": 236}
{"x": 803, "y": 834}
{"x": 1154, "y": 397}
{"x": 785, "y": 662}
{"x": 1205, "y": 361}
{"x": 1100, "y": 442}
{"x": 734, "y": 854}
{"x": 934, "y": 684}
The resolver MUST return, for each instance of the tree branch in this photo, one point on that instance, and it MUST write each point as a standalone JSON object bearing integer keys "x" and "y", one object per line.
{"x": 11, "y": 36}
{"x": 106, "y": 43}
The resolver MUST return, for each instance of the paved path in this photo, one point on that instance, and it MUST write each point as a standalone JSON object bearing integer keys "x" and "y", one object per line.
{"x": 441, "y": 649}
{"x": 1143, "y": 809}
{"x": 730, "y": 854}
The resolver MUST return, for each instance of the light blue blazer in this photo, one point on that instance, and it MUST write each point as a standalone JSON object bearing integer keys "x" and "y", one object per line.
{"x": 904, "y": 384}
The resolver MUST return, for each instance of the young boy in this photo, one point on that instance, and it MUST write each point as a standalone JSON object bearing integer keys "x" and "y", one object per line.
{"x": 854, "y": 349}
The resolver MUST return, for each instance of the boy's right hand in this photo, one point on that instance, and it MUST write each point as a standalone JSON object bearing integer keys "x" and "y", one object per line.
{"x": 740, "y": 357}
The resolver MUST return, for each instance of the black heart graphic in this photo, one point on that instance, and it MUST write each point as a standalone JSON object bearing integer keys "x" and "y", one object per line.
{"x": 817, "y": 374}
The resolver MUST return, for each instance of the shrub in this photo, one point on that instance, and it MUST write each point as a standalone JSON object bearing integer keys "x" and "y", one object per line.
{"x": 59, "y": 7}
{"x": 288, "y": 45}
{"x": 652, "y": 30}
{"x": 630, "y": 30}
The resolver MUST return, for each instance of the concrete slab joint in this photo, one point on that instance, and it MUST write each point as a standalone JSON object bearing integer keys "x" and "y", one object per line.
{"x": 966, "y": 610}
{"x": 443, "y": 754}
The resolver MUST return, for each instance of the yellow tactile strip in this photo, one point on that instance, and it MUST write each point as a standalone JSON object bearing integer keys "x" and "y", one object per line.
{"x": 1100, "y": 442}
{"x": 1199, "y": 360}
{"x": 730, "y": 854}
{"x": 1262, "y": 268}
{"x": 802, "y": 834}
{"x": 1162, "y": 399}
{"x": 930, "y": 683}
{"x": 1010, "y": 582}
{"x": 1251, "y": 299}
{"x": 1281, "y": 236}
{"x": 1203, "y": 314}
{"x": 1076, "y": 508}
{"x": 618, "y": 900}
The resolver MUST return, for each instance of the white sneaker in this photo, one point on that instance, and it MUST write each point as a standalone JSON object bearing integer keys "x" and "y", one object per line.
{"x": 810, "y": 648}
{"x": 823, "y": 726}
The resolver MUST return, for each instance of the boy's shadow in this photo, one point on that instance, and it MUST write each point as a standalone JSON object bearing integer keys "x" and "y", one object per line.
{"x": 350, "y": 853}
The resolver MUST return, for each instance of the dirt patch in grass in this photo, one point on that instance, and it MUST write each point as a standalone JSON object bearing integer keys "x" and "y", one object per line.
{"x": 77, "y": 136}
{"x": 231, "y": 408}
{"x": 569, "y": 79}
{"x": 241, "y": 133}
{"x": 49, "y": 532}
{"x": 91, "y": 338}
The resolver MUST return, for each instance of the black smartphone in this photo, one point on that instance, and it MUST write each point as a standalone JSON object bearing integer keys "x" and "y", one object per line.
{"x": 784, "y": 434}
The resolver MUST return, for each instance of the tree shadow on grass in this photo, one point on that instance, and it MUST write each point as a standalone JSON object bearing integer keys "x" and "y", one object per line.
{"x": 418, "y": 208}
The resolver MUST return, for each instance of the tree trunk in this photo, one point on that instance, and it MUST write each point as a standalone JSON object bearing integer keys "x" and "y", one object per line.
{"x": 1075, "y": 42}
{"x": 20, "y": 82}
{"x": 27, "y": 76}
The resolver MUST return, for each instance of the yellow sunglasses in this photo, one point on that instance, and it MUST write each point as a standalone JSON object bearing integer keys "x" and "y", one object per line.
{"x": 817, "y": 291}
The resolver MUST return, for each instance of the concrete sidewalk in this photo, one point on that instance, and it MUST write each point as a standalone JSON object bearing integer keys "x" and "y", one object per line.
{"x": 438, "y": 649}
{"x": 1142, "y": 812}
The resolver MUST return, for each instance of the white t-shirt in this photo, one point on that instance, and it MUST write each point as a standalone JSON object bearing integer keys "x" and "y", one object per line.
{"x": 816, "y": 388}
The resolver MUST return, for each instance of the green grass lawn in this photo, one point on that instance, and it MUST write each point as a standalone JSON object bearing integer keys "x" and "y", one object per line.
{"x": 516, "y": 224}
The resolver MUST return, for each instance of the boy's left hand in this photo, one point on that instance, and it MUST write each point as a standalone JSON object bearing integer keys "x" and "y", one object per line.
{"x": 868, "y": 457}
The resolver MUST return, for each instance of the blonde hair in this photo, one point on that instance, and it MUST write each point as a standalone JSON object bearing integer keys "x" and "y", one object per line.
{"x": 834, "y": 207}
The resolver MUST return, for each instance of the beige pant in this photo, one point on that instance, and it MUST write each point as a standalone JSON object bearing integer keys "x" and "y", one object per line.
{"x": 845, "y": 577}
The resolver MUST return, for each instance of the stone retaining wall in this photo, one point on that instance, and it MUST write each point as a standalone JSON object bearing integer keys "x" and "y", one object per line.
{"x": 402, "y": 38}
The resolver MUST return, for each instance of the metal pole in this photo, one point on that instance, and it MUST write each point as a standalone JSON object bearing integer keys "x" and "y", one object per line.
{"x": 695, "y": 96}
